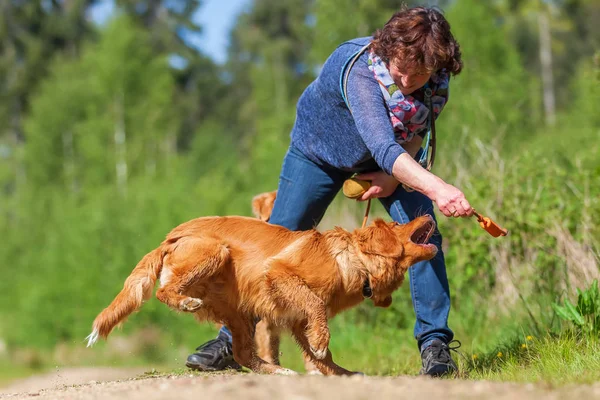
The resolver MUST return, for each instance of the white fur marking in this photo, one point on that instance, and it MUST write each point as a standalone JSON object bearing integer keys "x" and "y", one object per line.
{"x": 285, "y": 371}
{"x": 343, "y": 261}
{"x": 348, "y": 264}
{"x": 165, "y": 276}
{"x": 319, "y": 354}
{"x": 144, "y": 289}
{"x": 291, "y": 249}
{"x": 92, "y": 337}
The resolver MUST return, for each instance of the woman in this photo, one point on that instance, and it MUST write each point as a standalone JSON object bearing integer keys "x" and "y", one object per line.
{"x": 376, "y": 130}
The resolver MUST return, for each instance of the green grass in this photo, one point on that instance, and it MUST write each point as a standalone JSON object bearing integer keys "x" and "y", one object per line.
{"x": 555, "y": 360}
{"x": 374, "y": 352}
{"x": 499, "y": 348}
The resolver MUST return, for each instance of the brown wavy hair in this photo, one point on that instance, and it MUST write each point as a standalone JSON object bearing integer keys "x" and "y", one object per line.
{"x": 419, "y": 39}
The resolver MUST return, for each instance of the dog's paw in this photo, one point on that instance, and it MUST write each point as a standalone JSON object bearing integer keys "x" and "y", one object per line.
{"x": 314, "y": 372}
{"x": 190, "y": 304}
{"x": 318, "y": 340}
{"x": 319, "y": 353}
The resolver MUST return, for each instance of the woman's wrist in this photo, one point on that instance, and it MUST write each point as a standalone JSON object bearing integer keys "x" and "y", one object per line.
{"x": 407, "y": 171}
{"x": 433, "y": 187}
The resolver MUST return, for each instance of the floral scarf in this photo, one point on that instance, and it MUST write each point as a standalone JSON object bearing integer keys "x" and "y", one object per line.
{"x": 407, "y": 114}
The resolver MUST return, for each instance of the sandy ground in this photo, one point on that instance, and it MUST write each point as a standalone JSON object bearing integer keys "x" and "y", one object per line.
{"x": 131, "y": 384}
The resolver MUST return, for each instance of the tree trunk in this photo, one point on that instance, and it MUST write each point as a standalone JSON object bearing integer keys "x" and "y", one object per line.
{"x": 18, "y": 141}
{"x": 546, "y": 66}
{"x": 69, "y": 161}
{"x": 120, "y": 139}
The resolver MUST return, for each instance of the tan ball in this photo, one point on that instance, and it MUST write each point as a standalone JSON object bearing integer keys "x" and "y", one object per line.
{"x": 355, "y": 188}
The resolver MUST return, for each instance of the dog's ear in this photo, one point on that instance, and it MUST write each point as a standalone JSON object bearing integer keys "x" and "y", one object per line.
{"x": 379, "y": 239}
{"x": 262, "y": 205}
{"x": 383, "y": 303}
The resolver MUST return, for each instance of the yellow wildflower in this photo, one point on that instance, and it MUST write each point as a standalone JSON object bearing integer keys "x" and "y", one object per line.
{"x": 529, "y": 337}
{"x": 499, "y": 355}
{"x": 523, "y": 346}
{"x": 474, "y": 356}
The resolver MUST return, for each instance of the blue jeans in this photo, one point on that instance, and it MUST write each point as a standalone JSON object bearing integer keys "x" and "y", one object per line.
{"x": 307, "y": 189}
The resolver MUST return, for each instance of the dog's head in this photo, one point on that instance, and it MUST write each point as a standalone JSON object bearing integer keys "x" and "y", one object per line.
{"x": 262, "y": 205}
{"x": 388, "y": 249}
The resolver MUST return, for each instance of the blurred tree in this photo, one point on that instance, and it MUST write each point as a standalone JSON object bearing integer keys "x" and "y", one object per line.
{"x": 575, "y": 44}
{"x": 338, "y": 21}
{"x": 552, "y": 36}
{"x": 584, "y": 116}
{"x": 493, "y": 89}
{"x": 168, "y": 22}
{"x": 117, "y": 125}
{"x": 31, "y": 33}
{"x": 172, "y": 28}
{"x": 269, "y": 70}
{"x": 538, "y": 13}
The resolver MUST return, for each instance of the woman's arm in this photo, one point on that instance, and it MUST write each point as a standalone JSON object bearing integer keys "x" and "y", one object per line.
{"x": 371, "y": 116}
{"x": 450, "y": 200}
{"x": 374, "y": 127}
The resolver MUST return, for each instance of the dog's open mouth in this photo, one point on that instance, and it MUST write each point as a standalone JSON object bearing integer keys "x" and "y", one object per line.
{"x": 423, "y": 233}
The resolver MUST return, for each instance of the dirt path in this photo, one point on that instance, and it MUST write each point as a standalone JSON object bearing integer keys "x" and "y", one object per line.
{"x": 100, "y": 383}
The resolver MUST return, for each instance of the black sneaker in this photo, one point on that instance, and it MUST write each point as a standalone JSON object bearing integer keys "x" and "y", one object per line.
{"x": 437, "y": 360}
{"x": 214, "y": 355}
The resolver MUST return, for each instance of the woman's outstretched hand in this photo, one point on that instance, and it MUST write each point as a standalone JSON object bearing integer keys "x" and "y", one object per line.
{"x": 451, "y": 201}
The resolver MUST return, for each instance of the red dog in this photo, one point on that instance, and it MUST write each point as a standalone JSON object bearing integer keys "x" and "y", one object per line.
{"x": 235, "y": 269}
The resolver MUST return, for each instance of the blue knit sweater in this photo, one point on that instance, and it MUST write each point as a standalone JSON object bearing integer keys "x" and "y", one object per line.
{"x": 327, "y": 133}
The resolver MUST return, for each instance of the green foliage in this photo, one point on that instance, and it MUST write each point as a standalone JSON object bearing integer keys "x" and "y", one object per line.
{"x": 553, "y": 359}
{"x": 490, "y": 99}
{"x": 334, "y": 24}
{"x": 271, "y": 42}
{"x": 31, "y": 32}
{"x": 585, "y": 316}
{"x": 116, "y": 125}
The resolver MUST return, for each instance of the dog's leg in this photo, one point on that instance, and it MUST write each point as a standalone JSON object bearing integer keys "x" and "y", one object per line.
{"x": 170, "y": 296}
{"x": 244, "y": 351}
{"x": 293, "y": 294}
{"x": 193, "y": 260}
{"x": 309, "y": 367}
{"x": 325, "y": 365}
{"x": 267, "y": 338}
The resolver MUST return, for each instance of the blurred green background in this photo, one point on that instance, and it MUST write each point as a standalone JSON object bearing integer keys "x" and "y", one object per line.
{"x": 113, "y": 133}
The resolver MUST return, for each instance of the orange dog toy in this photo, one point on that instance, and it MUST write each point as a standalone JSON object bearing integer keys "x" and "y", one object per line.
{"x": 490, "y": 226}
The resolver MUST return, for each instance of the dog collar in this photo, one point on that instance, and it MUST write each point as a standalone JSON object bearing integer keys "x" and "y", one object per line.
{"x": 367, "y": 291}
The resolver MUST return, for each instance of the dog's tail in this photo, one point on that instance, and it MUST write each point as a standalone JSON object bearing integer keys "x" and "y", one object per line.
{"x": 262, "y": 205}
{"x": 137, "y": 288}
